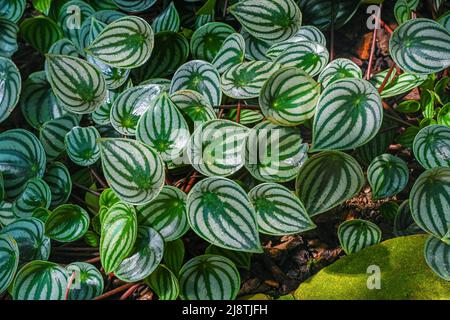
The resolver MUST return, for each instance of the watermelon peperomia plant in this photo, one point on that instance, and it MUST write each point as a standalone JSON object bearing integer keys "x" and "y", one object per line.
{"x": 140, "y": 126}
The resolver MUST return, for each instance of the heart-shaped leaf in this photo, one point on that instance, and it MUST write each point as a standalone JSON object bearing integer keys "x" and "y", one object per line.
{"x": 134, "y": 5}
{"x": 12, "y": 9}
{"x": 437, "y": 256}
{"x": 289, "y": 97}
{"x": 36, "y": 195}
{"x": 220, "y": 212}
{"x": 355, "y": 235}
{"x": 339, "y": 69}
{"x": 9, "y": 261}
{"x": 108, "y": 198}
{"x": 133, "y": 169}
{"x": 41, "y": 214}
{"x": 71, "y": 17}
{"x": 404, "y": 223}
{"x": 40, "y": 32}
{"x": 328, "y": 179}
{"x": 402, "y": 11}
{"x": 81, "y": 144}
{"x": 67, "y": 223}
{"x": 194, "y": 106}
{"x": 349, "y": 114}
{"x": 118, "y": 235}
{"x": 168, "y": 20}
{"x": 209, "y": 277}
{"x": 231, "y": 53}
{"x": 397, "y": 84}
{"x": 88, "y": 282}
{"x": 164, "y": 283}
{"x": 207, "y": 40}
{"x": 63, "y": 47}
{"x": 432, "y": 146}
{"x": 174, "y": 255}
{"x": 10, "y": 86}
{"x": 8, "y": 38}
{"x": 60, "y": 183}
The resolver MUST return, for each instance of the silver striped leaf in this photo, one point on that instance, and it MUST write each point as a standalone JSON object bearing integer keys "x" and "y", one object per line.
{"x": 130, "y": 105}
{"x": 402, "y": 11}
{"x": 118, "y": 235}
{"x": 403, "y": 222}
{"x": 208, "y": 39}
{"x": 445, "y": 20}
{"x": 274, "y": 153}
{"x": 132, "y": 169}
{"x": 279, "y": 212}
{"x": 88, "y": 282}
{"x": 12, "y": 9}
{"x": 289, "y": 97}
{"x": 36, "y": 194}
{"x": 199, "y": 76}
{"x": 431, "y": 146}
{"x": 168, "y": 20}
{"x": 421, "y": 46}
{"x": 125, "y": 43}
{"x": 82, "y": 147}
{"x": 63, "y": 47}
{"x": 9, "y": 261}
{"x": 268, "y": 20}
{"x": 247, "y": 116}
{"x": 193, "y": 106}
{"x": 2, "y": 188}
{"x": 59, "y": 180}
{"x": 328, "y": 179}
{"x": 29, "y": 235}
{"x": 348, "y": 115}
{"x": 245, "y": 80}
{"x": 10, "y": 87}
{"x": 40, "y": 32}
{"x": 437, "y": 256}
{"x": 71, "y": 16}
{"x": 209, "y": 277}
{"x": 144, "y": 258}
{"x": 310, "y": 56}
{"x": 78, "y": 84}
{"x": 255, "y": 49}
{"x": 220, "y": 212}
{"x": 174, "y": 255}
{"x": 163, "y": 127}
{"x": 67, "y": 223}
{"x": 339, "y": 69}
{"x": 397, "y": 84}
{"x": 53, "y": 132}
{"x": 202, "y": 19}
{"x": 167, "y": 213}
{"x": 7, "y": 215}
{"x": 388, "y": 175}
{"x": 134, "y": 5}
{"x": 22, "y": 157}
{"x": 240, "y": 259}
{"x": 40, "y": 280}
{"x": 215, "y": 148}
{"x": 8, "y": 38}
{"x": 430, "y": 203}
{"x": 231, "y": 53}
{"x": 164, "y": 283}
{"x": 355, "y": 235}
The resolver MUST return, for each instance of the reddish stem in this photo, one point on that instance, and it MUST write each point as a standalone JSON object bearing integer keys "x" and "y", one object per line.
{"x": 114, "y": 291}
{"x": 238, "y": 112}
{"x": 93, "y": 260}
{"x": 372, "y": 54}
{"x": 129, "y": 292}
{"x": 102, "y": 183}
{"x": 69, "y": 284}
{"x": 386, "y": 78}
{"x": 190, "y": 183}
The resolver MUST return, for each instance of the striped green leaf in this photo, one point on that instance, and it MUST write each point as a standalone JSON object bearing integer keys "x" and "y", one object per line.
{"x": 130, "y": 105}
{"x": 397, "y": 84}
{"x": 12, "y": 9}
{"x": 67, "y": 223}
{"x": 199, "y": 76}
{"x": 9, "y": 261}
{"x": 10, "y": 87}
{"x": 421, "y": 46}
{"x": 202, "y": 19}
{"x": 328, "y": 179}
{"x": 63, "y": 47}
{"x": 289, "y": 97}
{"x": 71, "y": 16}
{"x": 445, "y": 20}
{"x": 402, "y": 11}
{"x": 144, "y": 258}
{"x": 215, "y": 148}
{"x": 220, "y": 212}
{"x": 209, "y": 277}
{"x": 125, "y": 43}
{"x": 7, "y": 215}
{"x": 53, "y": 132}
{"x": 244, "y": 81}
{"x": 231, "y": 53}
{"x": 42, "y": 5}
{"x": 208, "y": 39}
{"x": 355, "y": 235}
{"x": 22, "y": 157}
{"x": 81, "y": 144}
{"x": 8, "y": 38}
{"x": 279, "y": 212}
{"x": 40, "y": 32}
{"x": 429, "y": 202}
{"x": 274, "y": 153}
{"x": 240, "y": 259}
{"x": 133, "y": 169}
{"x": 118, "y": 235}
{"x": 339, "y": 69}
{"x": 443, "y": 116}
{"x": 348, "y": 115}
{"x": 163, "y": 128}
{"x": 247, "y": 116}
{"x": 431, "y": 146}
{"x": 29, "y": 235}
{"x": 40, "y": 280}
{"x": 2, "y": 188}
{"x": 41, "y": 214}
{"x": 310, "y": 56}
{"x": 36, "y": 195}
{"x": 388, "y": 210}
{"x": 255, "y": 49}
{"x": 88, "y": 282}
{"x": 78, "y": 84}
{"x": 271, "y": 21}
{"x": 437, "y": 256}
{"x": 167, "y": 213}
{"x": 388, "y": 175}
{"x": 174, "y": 255}
{"x": 134, "y": 5}
{"x": 404, "y": 223}
{"x": 108, "y": 198}
{"x": 193, "y": 106}
{"x": 164, "y": 283}
{"x": 58, "y": 179}
{"x": 168, "y": 20}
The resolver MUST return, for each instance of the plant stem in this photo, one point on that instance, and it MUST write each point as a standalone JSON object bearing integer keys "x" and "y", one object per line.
{"x": 372, "y": 48}
{"x": 129, "y": 292}
{"x": 386, "y": 78}
{"x": 95, "y": 193}
{"x": 394, "y": 118}
{"x": 69, "y": 284}
{"x": 93, "y": 260}
{"x": 238, "y": 112}
{"x": 115, "y": 291}
{"x": 232, "y": 106}
{"x": 100, "y": 180}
